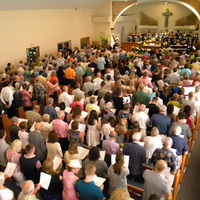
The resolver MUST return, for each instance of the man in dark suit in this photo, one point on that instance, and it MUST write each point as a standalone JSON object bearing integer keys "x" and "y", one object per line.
{"x": 137, "y": 155}
{"x": 38, "y": 141}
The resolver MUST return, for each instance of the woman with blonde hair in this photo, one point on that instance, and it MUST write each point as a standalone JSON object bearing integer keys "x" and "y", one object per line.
{"x": 121, "y": 129}
{"x": 14, "y": 156}
{"x": 55, "y": 187}
{"x": 120, "y": 194}
{"x": 72, "y": 152}
{"x": 117, "y": 174}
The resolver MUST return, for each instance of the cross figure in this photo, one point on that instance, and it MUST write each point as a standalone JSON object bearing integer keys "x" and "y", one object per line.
{"x": 166, "y": 15}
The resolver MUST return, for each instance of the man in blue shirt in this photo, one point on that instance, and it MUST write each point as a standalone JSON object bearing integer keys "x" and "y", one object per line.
{"x": 161, "y": 121}
{"x": 87, "y": 188}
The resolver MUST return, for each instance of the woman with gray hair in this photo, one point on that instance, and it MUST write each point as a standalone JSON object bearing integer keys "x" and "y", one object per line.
{"x": 5, "y": 193}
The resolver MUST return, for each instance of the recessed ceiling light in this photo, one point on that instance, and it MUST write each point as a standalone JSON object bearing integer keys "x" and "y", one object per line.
{"x": 165, "y": 2}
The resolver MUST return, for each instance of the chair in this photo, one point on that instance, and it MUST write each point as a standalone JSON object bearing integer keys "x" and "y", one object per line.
{"x": 135, "y": 187}
{"x": 175, "y": 185}
{"x": 21, "y": 112}
{"x": 183, "y": 164}
{"x": 6, "y": 123}
{"x": 190, "y": 144}
{"x": 35, "y": 103}
{"x": 70, "y": 89}
{"x": 194, "y": 134}
{"x": 197, "y": 123}
{"x": 46, "y": 98}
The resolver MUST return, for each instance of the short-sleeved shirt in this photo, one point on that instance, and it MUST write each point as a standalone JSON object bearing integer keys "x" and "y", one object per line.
{"x": 166, "y": 155}
{"x": 180, "y": 144}
{"x": 161, "y": 121}
{"x": 88, "y": 191}
{"x": 154, "y": 183}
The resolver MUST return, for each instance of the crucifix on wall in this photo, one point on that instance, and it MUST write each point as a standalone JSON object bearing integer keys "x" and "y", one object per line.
{"x": 166, "y": 15}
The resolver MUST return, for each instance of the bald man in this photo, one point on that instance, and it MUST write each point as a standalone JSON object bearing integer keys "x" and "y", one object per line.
{"x": 142, "y": 118}
{"x": 65, "y": 97}
{"x": 28, "y": 191}
{"x": 155, "y": 183}
{"x": 36, "y": 138}
{"x": 137, "y": 155}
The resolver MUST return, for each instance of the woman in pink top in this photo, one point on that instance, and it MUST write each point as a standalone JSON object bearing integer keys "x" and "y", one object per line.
{"x": 69, "y": 180}
{"x": 13, "y": 156}
{"x": 26, "y": 98}
{"x": 77, "y": 102}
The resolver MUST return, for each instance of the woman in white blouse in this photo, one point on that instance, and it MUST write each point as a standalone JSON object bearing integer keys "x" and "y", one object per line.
{"x": 53, "y": 147}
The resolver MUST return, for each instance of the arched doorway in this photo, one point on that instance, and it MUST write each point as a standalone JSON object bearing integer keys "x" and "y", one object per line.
{"x": 148, "y": 1}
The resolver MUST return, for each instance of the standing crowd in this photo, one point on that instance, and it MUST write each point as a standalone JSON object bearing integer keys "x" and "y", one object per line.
{"x": 136, "y": 109}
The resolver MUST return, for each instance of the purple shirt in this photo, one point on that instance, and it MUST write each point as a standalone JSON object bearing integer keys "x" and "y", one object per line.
{"x": 111, "y": 147}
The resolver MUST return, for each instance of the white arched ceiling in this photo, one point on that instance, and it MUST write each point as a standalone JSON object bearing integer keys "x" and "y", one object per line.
{"x": 148, "y": 1}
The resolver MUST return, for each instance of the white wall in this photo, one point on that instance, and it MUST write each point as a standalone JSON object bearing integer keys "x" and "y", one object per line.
{"x": 129, "y": 27}
{"x": 44, "y": 28}
{"x": 103, "y": 10}
{"x": 155, "y": 11}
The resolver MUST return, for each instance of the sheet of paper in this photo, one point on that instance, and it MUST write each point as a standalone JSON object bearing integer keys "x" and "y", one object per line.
{"x": 84, "y": 114}
{"x": 83, "y": 152}
{"x": 146, "y": 111}
{"x": 173, "y": 150}
{"x": 98, "y": 180}
{"x": 102, "y": 155}
{"x": 45, "y": 180}
{"x": 166, "y": 172}
{"x": 113, "y": 110}
{"x": 176, "y": 110}
{"x": 68, "y": 110}
{"x": 136, "y": 108}
{"x": 56, "y": 162}
{"x": 126, "y": 159}
{"x": 22, "y": 120}
{"x": 188, "y": 90}
{"x": 10, "y": 168}
{"x": 33, "y": 127}
{"x": 81, "y": 127}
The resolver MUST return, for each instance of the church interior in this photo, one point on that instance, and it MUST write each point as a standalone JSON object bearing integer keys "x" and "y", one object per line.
{"x": 32, "y": 29}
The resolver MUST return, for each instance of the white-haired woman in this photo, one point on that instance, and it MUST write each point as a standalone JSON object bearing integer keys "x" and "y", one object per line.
{"x": 5, "y": 193}
{"x": 13, "y": 156}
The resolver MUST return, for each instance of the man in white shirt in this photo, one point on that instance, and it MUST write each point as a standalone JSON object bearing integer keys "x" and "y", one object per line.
{"x": 97, "y": 81}
{"x": 6, "y": 97}
{"x": 142, "y": 118}
{"x": 192, "y": 103}
{"x": 65, "y": 97}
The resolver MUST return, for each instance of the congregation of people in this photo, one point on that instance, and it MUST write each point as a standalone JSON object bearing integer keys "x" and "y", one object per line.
{"x": 101, "y": 100}
{"x": 171, "y": 38}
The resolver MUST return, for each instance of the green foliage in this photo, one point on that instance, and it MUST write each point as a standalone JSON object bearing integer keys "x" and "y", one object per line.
{"x": 103, "y": 40}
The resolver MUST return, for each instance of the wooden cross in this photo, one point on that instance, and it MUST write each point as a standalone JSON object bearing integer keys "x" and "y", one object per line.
{"x": 166, "y": 15}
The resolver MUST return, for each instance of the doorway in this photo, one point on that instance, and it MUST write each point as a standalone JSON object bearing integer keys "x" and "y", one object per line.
{"x": 33, "y": 53}
{"x": 85, "y": 42}
{"x": 64, "y": 45}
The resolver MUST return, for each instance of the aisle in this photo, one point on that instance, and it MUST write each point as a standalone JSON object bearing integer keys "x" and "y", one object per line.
{"x": 190, "y": 187}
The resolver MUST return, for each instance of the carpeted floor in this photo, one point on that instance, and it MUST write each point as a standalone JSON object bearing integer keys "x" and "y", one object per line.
{"x": 190, "y": 186}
